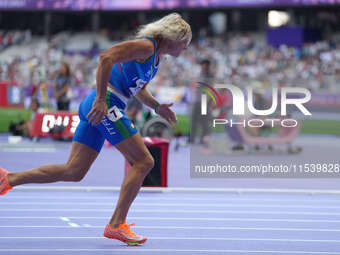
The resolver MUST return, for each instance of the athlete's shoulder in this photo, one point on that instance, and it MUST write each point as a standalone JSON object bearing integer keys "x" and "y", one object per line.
{"x": 142, "y": 44}
{"x": 129, "y": 50}
{"x": 138, "y": 48}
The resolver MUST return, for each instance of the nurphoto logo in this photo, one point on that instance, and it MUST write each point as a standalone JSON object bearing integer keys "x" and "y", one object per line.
{"x": 240, "y": 102}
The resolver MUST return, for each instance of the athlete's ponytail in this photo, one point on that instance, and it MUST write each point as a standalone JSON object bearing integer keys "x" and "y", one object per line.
{"x": 171, "y": 27}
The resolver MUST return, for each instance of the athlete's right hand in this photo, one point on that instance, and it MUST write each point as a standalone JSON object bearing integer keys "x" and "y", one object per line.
{"x": 98, "y": 111}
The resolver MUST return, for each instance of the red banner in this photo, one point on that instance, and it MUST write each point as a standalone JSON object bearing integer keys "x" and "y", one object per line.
{"x": 61, "y": 124}
{"x": 11, "y": 95}
{"x": 3, "y": 94}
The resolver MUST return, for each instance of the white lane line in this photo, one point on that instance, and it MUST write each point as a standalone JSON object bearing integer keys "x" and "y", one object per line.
{"x": 179, "y": 190}
{"x": 42, "y": 226}
{"x": 170, "y": 210}
{"x": 184, "y": 238}
{"x": 188, "y": 227}
{"x": 69, "y": 222}
{"x": 175, "y": 250}
{"x": 28, "y": 149}
{"x": 74, "y": 225}
{"x": 164, "y": 197}
{"x": 181, "y": 219}
{"x": 179, "y": 204}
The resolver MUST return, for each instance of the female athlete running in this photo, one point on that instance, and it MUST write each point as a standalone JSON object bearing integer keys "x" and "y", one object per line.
{"x": 123, "y": 71}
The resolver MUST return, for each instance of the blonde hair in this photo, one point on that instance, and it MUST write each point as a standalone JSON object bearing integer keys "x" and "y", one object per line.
{"x": 171, "y": 27}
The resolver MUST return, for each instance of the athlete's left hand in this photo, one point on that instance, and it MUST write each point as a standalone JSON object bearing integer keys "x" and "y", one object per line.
{"x": 164, "y": 111}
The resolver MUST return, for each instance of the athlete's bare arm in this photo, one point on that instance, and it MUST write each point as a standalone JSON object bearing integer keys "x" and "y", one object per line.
{"x": 146, "y": 98}
{"x": 122, "y": 52}
{"x": 162, "y": 109}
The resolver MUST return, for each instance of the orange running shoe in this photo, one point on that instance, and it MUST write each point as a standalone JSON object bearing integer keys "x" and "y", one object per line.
{"x": 4, "y": 184}
{"x": 123, "y": 233}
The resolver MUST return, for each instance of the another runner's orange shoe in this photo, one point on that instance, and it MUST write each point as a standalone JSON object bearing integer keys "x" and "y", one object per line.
{"x": 123, "y": 233}
{"x": 4, "y": 184}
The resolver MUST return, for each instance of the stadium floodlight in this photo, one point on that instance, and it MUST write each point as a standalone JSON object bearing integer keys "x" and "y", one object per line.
{"x": 278, "y": 18}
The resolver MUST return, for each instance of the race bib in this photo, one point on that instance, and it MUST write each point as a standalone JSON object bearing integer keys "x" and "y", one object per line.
{"x": 114, "y": 113}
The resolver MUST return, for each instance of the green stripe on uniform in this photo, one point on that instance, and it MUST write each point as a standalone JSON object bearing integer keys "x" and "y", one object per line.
{"x": 119, "y": 124}
{"x": 122, "y": 129}
{"x": 108, "y": 101}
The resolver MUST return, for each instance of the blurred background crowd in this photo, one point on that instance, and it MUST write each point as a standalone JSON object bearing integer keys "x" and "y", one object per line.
{"x": 236, "y": 58}
{"x": 239, "y": 54}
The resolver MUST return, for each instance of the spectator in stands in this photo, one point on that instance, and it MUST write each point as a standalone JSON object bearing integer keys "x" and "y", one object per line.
{"x": 259, "y": 103}
{"x": 62, "y": 88}
{"x": 200, "y": 121}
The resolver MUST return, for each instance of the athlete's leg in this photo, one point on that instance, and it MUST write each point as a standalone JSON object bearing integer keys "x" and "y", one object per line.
{"x": 120, "y": 132}
{"x": 87, "y": 143}
{"x": 79, "y": 162}
{"x": 135, "y": 151}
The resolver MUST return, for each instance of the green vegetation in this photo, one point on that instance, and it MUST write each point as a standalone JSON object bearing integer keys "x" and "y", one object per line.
{"x": 311, "y": 126}
{"x": 331, "y": 127}
{"x": 8, "y": 115}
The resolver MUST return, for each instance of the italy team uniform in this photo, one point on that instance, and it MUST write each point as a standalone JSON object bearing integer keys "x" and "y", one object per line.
{"x": 128, "y": 78}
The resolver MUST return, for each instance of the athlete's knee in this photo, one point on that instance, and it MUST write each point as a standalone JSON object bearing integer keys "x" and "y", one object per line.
{"x": 146, "y": 164}
{"x": 149, "y": 162}
{"x": 74, "y": 173}
{"x": 76, "y": 177}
